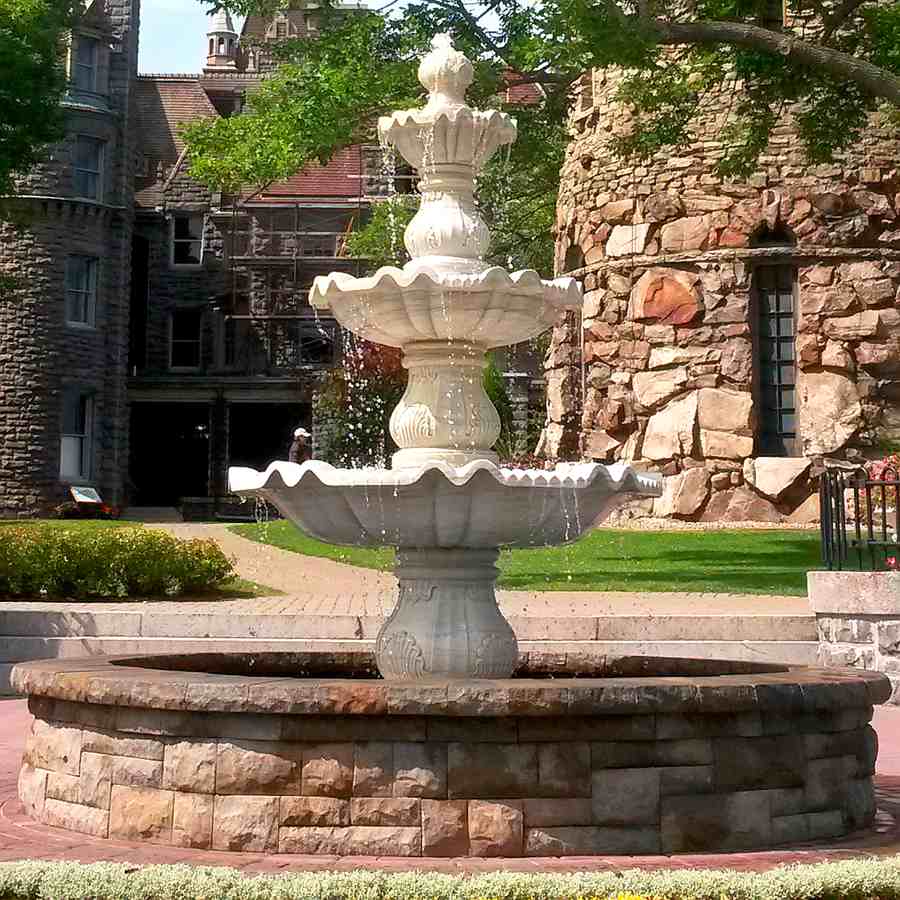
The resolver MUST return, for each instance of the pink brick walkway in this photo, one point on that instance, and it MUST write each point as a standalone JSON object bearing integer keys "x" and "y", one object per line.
{"x": 20, "y": 838}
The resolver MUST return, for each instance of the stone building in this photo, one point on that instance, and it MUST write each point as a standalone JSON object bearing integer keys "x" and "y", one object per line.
{"x": 734, "y": 333}
{"x": 159, "y": 333}
{"x": 64, "y": 325}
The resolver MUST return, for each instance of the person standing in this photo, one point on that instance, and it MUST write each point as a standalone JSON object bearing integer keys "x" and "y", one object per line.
{"x": 301, "y": 449}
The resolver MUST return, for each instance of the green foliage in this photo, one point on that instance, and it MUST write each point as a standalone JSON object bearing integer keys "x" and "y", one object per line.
{"x": 870, "y": 879}
{"x": 495, "y": 388}
{"x": 354, "y": 403}
{"x": 732, "y": 562}
{"x": 32, "y": 81}
{"x": 97, "y": 563}
{"x": 380, "y": 240}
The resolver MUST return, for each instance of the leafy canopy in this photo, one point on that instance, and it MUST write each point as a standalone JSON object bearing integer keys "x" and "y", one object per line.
{"x": 831, "y": 65}
{"x": 32, "y": 81}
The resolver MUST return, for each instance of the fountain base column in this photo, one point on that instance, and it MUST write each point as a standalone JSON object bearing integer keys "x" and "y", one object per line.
{"x": 446, "y": 623}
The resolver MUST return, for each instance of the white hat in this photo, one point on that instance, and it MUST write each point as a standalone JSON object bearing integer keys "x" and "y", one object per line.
{"x": 301, "y": 432}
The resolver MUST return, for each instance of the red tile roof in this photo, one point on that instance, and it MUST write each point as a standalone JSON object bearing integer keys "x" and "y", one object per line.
{"x": 340, "y": 178}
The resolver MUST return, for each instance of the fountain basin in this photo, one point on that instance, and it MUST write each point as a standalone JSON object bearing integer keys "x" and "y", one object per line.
{"x": 478, "y": 505}
{"x": 631, "y": 756}
{"x": 491, "y": 308}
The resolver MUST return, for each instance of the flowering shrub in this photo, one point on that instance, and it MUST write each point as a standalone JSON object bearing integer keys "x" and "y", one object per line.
{"x": 865, "y": 879}
{"x": 885, "y": 469}
{"x": 54, "y": 561}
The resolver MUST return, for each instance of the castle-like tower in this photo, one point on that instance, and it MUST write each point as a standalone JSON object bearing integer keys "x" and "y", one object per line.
{"x": 735, "y": 332}
{"x": 64, "y": 327}
{"x": 222, "y": 44}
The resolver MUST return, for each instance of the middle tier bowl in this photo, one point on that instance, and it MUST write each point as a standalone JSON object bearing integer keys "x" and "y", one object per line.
{"x": 491, "y": 308}
{"x": 475, "y": 506}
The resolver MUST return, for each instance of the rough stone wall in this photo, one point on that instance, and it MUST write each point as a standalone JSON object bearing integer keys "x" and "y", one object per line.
{"x": 40, "y": 355}
{"x": 667, "y": 254}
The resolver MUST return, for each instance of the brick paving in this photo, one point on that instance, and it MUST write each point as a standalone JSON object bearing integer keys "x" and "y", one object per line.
{"x": 20, "y": 838}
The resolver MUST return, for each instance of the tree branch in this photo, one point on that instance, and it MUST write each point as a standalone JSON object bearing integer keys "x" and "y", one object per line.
{"x": 874, "y": 80}
{"x": 839, "y": 16}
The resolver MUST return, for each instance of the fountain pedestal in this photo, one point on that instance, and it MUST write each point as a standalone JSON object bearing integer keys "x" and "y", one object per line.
{"x": 446, "y": 623}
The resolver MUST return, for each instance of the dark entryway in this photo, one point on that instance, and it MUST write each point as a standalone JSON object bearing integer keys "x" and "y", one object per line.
{"x": 259, "y": 433}
{"x": 169, "y": 452}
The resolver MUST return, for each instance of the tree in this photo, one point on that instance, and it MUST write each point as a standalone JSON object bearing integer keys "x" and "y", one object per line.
{"x": 831, "y": 65}
{"x": 32, "y": 82}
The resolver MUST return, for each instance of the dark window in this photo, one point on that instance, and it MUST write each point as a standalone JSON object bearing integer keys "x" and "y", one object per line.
{"x": 88, "y": 168}
{"x": 187, "y": 333}
{"x": 776, "y": 360}
{"x": 86, "y": 52}
{"x": 187, "y": 239}
{"x": 81, "y": 289}
{"x": 75, "y": 445}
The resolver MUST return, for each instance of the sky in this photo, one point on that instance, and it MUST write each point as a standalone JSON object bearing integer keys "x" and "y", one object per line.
{"x": 173, "y": 35}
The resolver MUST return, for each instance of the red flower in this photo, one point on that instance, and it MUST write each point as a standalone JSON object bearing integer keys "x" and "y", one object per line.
{"x": 891, "y": 562}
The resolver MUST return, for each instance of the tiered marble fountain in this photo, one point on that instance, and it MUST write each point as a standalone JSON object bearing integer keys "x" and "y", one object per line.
{"x": 445, "y": 754}
{"x": 445, "y": 504}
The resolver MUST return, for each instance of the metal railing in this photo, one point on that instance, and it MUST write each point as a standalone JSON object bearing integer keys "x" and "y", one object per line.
{"x": 860, "y": 519}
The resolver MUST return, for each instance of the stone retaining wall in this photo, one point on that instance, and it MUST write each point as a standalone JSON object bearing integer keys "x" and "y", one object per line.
{"x": 797, "y": 768}
{"x": 858, "y": 621}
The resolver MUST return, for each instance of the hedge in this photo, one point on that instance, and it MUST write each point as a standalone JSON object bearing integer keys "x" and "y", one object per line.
{"x": 854, "y": 880}
{"x": 106, "y": 563}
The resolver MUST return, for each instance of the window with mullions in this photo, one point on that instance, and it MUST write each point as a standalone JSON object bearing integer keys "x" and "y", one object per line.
{"x": 88, "y": 168}
{"x": 776, "y": 334}
{"x": 85, "y": 58}
{"x": 75, "y": 457}
{"x": 81, "y": 289}
{"x": 185, "y": 347}
{"x": 187, "y": 239}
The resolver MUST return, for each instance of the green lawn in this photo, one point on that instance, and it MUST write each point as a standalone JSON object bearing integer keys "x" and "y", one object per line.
{"x": 733, "y": 561}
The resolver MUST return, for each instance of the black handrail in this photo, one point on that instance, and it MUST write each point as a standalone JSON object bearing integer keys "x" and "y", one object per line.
{"x": 860, "y": 515}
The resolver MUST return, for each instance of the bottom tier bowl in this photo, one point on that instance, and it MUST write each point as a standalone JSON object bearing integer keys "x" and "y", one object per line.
{"x": 314, "y": 754}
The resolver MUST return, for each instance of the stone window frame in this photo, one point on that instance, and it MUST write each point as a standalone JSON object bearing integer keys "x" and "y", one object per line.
{"x": 77, "y": 433}
{"x": 791, "y": 446}
{"x": 175, "y": 241}
{"x": 98, "y": 173}
{"x": 198, "y": 340}
{"x": 99, "y": 87}
{"x": 86, "y": 295}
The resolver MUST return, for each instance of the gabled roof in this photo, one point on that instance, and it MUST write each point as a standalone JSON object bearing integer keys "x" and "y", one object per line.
{"x": 340, "y": 178}
{"x": 161, "y": 105}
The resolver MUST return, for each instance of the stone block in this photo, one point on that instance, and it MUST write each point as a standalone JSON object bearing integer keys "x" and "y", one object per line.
{"x": 136, "y": 772}
{"x": 420, "y": 770}
{"x": 626, "y": 797}
{"x": 117, "y": 744}
{"x": 615, "y": 755}
{"x": 75, "y": 817}
{"x": 33, "y": 788}
{"x": 445, "y": 828}
{"x": 373, "y": 770}
{"x": 564, "y": 770}
{"x": 59, "y": 787}
{"x": 670, "y": 432}
{"x": 826, "y": 781}
{"x": 141, "y": 814}
{"x": 827, "y": 824}
{"x": 686, "y": 780}
{"x": 192, "y": 820}
{"x": 378, "y": 812}
{"x": 627, "y": 240}
{"x": 465, "y": 731}
{"x": 787, "y": 801}
{"x": 747, "y": 724}
{"x": 683, "y": 493}
{"x": 495, "y": 828}
{"x": 591, "y": 841}
{"x": 191, "y": 766}
{"x": 773, "y": 476}
{"x": 328, "y": 770}
{"x": 554, "y": 813}
{"x": 246, "y": 824}
{"x": 790, "y": 829}
{"x": 859, "y": 803}
{"x": 96, "y": 779}
{"x": 595, "y": 728}
{"x": 365, "y": 729}
{"x": 737, "y": 821}
{"x": 314, "y": 812}
{"x": 353, "y": 841}
{"x": 759, "y": 762}
{"x": 258, "y": 767}
{"x": 54, "y": 747}
{"x": 492, "y": 770}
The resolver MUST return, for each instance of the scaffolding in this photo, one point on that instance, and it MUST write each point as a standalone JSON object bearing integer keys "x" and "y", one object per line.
{"x": 275, "y": 247}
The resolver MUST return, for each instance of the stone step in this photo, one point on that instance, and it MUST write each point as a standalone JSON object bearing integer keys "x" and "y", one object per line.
{"x": 14, "y": 650}
{"x": 18, "y": 623}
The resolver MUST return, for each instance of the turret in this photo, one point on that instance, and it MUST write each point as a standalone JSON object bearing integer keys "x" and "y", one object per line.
{"x": 222, "y": 44}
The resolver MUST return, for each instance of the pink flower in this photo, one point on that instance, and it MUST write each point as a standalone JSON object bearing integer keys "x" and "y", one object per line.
{"x": 891, "y": 562}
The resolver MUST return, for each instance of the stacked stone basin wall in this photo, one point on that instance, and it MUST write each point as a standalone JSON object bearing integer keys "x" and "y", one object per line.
{"x": 513, "y": 768}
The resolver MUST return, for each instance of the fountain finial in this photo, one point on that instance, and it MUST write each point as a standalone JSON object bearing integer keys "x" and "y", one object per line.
{"x": 446, "y": 74}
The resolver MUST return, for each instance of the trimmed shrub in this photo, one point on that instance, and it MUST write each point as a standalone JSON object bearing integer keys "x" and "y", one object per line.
{"x": 103, "y": 563}
{"x": 854, "y": 880}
